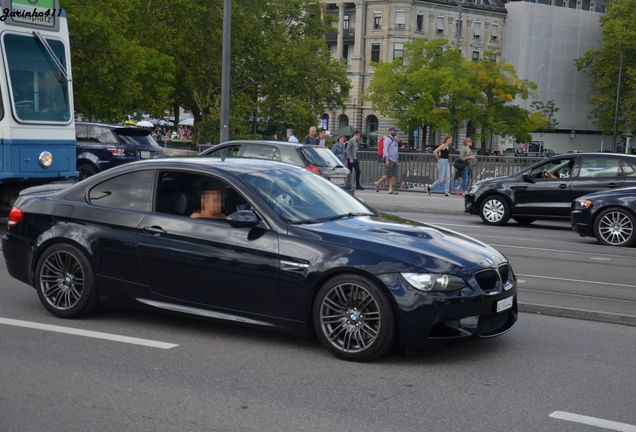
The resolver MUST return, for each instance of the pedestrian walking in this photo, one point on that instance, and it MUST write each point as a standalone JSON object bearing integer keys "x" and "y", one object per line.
{"x": 322, "y": 137}
{"x": 339, "y": 149}
{"x": 312, "y": 138}
{"x": 291, "y": 137}
{"x": 443, "y": 168}
{"x": 352, "y": 159}
{"x": 390, "y": 155}
{"x": 463, "y": 174}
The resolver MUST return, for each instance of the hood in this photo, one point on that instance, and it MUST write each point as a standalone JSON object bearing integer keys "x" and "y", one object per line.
{"x": 417, "y": 247}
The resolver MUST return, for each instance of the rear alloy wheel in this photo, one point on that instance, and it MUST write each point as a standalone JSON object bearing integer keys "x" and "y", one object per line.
{"x": 353, "y": 318}
{"x": 86, "y": 170}
{"x": 524, "y": 220}
{"x": 65, "y": 282}
{"x": 494, "y": 210}
{"x": 615, "y": 227}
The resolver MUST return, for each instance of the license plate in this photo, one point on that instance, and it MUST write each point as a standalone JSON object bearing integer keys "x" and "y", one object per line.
{"x": 145, "y": 154}
{"x": 340, "y": 181}
{"x": 504, "y": 304}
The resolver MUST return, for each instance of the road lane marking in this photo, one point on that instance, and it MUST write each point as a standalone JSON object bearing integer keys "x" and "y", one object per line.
{"x": 593, "y": 421}
{"x": 578, "y": 295}
{"x": 87, "y": 333}
{"x": 563, "y": 251}
{"x": 596, "y": 258}
{"x": 576, "y": 280}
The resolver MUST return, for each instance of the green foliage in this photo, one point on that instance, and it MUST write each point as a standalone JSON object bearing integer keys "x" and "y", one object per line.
{"x": 545, "y": 112}
{"x": 619, "y": 36}
{"x": 435, "y": 86}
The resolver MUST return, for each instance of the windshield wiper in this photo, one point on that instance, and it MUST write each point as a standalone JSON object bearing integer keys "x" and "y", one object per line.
{"x": 349, "y": 215}
{"x": 52, "y": 57}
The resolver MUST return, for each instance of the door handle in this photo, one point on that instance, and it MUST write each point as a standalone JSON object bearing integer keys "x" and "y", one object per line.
{"x": 563, "y": 186}
{"x": 156, "y": 230}
{"x": 611, "y": 185}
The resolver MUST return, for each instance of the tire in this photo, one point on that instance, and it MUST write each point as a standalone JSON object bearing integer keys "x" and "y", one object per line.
{"x": 86, "y": 170}
{"x": 354, "y": 318}
{"x": 524, "y": 220}
{"x": 494, "y": 210}
{"x": 65, "y": 282}
{"x": 615, "y": 226}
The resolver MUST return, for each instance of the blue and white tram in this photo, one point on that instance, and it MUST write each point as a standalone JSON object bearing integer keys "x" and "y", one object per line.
{"x": 37, "y": 129}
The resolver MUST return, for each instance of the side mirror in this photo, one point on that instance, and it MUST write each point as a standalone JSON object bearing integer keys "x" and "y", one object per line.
{"x": 526, "y": 178}
{"x": 243, "y": 219}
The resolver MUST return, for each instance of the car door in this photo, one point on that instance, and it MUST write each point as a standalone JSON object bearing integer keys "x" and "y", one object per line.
{"x": 548, "y": 189}
{"x": 206, "y": 261}
{"x": 598, "y": 173}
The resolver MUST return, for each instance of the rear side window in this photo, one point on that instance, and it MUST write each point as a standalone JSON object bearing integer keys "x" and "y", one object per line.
{"x": 320, "y": 157}
{"x": 135, "y": 139}
{"x": 100, "y": 134}
{"x": 231, "y": 151}
{"x": 261, "y": 151}
{"x": 600, "y": 167}
{"x": 80, "y": 132}
{"x": 628, "y": 169}
{"x": 131, "y": 191}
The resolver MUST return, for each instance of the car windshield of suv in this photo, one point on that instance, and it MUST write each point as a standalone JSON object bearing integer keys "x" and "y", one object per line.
{"x": 299, "y": 196}
{"x": 320, "y": 157}
{"x": 137, "y": 138}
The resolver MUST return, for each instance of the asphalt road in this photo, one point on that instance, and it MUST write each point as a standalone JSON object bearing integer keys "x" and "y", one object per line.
{"x": 225, "y": 378}
{"x": 572, "y": 275}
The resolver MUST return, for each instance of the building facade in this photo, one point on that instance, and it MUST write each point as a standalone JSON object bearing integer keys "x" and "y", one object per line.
{"x": 369, "y": 31}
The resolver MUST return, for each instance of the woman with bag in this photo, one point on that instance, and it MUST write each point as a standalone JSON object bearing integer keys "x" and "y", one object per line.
{"x": 443, "y": 168}
{"x": 463, "y": 174}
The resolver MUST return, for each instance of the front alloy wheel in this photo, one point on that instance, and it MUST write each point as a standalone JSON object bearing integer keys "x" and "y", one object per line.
{"x": 353, "y": 318}
{"x": 494, "y": 211}
{"x": 615, "y": 227}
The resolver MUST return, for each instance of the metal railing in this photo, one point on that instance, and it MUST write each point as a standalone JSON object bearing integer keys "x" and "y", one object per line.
{"x": 415, "y": 170}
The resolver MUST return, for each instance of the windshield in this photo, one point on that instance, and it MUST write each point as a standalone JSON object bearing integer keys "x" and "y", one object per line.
{"x": 299, "y": 196}
{"x": 38, "y": 92}
{"x": 320, "y": 157}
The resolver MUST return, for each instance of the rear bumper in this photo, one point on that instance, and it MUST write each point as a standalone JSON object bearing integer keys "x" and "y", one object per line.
{"x": 18, "y": 257}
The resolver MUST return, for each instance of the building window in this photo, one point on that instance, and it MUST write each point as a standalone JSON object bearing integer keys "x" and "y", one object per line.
{"x": 375, "y": 52}
{"x": 377, "y": 20}
{"x": 420, "y": 23}
{"x": 346, "y": 22}
{"x": 475, "y": 56}
{"x": 400, "y": 20}
{"x": 398, "y": 50}
{"x": 458, "y": 27}
{"x": 494, "y": 32}
{"x": 345, "y": 52}
{"x": 476, "y": 30}
{"x": 440, "y": 25}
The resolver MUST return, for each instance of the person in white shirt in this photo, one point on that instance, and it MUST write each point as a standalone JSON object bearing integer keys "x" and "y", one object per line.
{"x": 291, "y": 137}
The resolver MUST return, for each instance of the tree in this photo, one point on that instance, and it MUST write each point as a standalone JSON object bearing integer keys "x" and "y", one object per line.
{"x": 114, "y": 73}
{"x": 547, "y": 110}
{"x": 603, "y": 64}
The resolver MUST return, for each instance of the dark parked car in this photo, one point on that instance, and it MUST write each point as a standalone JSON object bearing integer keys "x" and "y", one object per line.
{"x": 319, "y": 160}
{"x": 260, "y": 243}
{"x": 609, "y": 216}
{"x": 101, "y": 146}
{"x": 546, "y": 189}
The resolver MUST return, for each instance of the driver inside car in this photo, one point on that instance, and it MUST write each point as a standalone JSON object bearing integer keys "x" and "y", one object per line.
{"x": 211, "y": 206}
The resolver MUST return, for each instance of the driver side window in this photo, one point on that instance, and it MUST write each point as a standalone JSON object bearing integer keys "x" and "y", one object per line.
{"x": 554, "y": 170}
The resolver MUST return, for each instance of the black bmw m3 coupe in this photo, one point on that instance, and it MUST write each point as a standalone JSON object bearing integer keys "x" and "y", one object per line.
{"x": 259, "y": 243}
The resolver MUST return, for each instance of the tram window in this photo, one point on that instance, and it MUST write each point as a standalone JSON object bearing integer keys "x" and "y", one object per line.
{"x": 39, "y": 91}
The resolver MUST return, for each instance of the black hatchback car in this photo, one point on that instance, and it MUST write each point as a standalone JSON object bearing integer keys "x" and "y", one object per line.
{"x": 260, "y": 243}
{"x": 546, "y": 189}
{"x": 609, "y": 216}
{"x": 319, "y": 160}
{"x": 102, "y": 146}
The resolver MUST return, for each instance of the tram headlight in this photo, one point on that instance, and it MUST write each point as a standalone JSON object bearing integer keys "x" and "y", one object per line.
{"x": 46, "y": 159}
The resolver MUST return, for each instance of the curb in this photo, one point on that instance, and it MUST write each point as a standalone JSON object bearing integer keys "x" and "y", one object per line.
{"x": 582, "y": 314}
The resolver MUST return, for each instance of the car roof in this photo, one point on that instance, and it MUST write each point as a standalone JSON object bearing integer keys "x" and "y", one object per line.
{"x": 595, "y": 154}
{"x": 109, "y": 126}
{"x": 266, "y": 142}
{"x": 230, "y": 165}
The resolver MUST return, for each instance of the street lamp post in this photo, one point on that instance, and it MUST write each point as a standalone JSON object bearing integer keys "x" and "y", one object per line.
{"x": 618, "y": 97}
{"x": 225, "y": 71}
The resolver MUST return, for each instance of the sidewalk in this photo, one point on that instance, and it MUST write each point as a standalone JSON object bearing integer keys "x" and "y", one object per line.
{"x": 412, "y": 202}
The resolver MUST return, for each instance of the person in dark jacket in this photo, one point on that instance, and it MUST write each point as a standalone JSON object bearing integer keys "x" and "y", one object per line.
{"x": 352, "y": 158}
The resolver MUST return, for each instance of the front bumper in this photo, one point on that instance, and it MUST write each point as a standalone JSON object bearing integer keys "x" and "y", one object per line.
{"x": 427, "y": 317}
{"x": 582, "y": 222}
{"x": 470, "y": 204}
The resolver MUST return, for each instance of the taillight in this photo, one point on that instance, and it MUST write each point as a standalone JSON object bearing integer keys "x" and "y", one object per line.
{"x": 15, "y": 216}
{"x": 313, "y": 169}
{"x": 116, "y": 151}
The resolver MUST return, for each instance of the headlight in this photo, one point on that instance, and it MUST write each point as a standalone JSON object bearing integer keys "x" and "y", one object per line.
{"x": 474, "y": 188}
{"x": 582, "y": 204}
{"x": 434, "y": 282}
{"x": 46, "y": 159}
